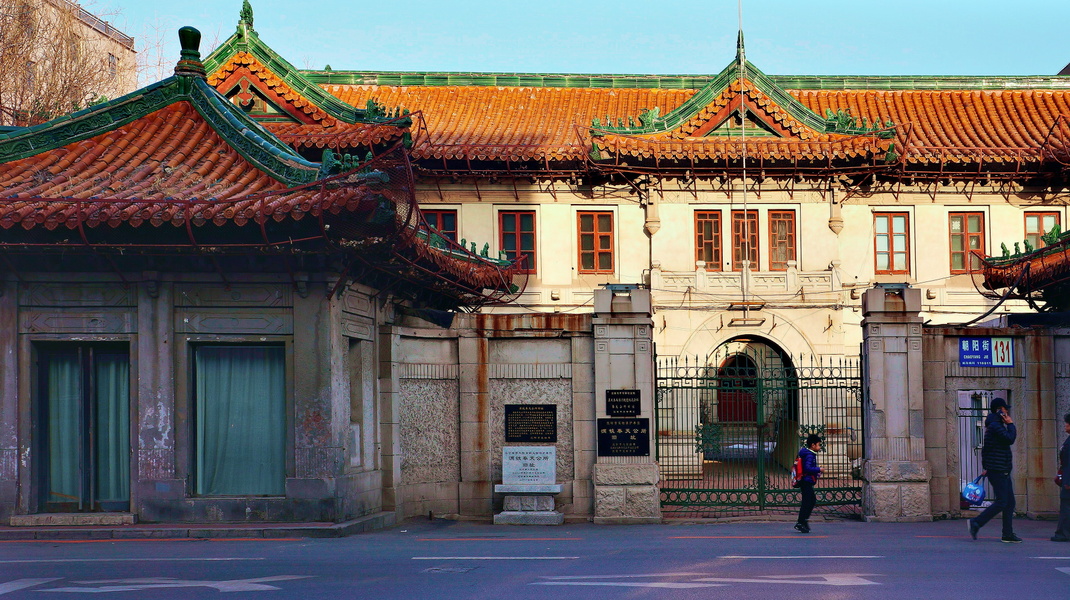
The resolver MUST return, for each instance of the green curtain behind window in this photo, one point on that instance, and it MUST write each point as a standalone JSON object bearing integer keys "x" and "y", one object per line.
{"x": 240, "y": 404}
{"x": 113, "y": 427}
{"x": 64, "y": 436}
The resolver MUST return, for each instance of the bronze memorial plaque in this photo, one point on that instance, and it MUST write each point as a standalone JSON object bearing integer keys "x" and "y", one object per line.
{"x": 622, "y": 403}
{"x": 531, "y": 423}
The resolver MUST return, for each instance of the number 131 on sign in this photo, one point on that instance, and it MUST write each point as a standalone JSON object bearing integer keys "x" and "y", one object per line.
{"x": 1002, "y": 352}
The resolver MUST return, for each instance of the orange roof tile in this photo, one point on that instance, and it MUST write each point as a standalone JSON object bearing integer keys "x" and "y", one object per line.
{"x": 132, "y": 173}
{"x": 339, "y": 136}
{"x": 525, "y": 122}
{"x": 518, "y": 123}
{"x": 953, "y": 124}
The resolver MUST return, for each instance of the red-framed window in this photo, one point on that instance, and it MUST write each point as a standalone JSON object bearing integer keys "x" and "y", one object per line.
{"x": 1038, "y": 224}
{"x": 445, "y": 221}
{"x": 781, "y": 239}
{"x": 744, "y": 239}
{"x": 516, "y": 229}
{"x": 967, "y": 231}
{"x": 708, "y": 238}
{"x": 596, "y": 242}
{"x": 891, "y": 243}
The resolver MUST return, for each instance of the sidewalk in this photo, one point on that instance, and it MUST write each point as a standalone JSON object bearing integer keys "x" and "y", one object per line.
{"x": 198, "y": 530}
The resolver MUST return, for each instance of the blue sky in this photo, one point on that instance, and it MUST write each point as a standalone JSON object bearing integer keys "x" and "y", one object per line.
{"x": 859, "y": 37}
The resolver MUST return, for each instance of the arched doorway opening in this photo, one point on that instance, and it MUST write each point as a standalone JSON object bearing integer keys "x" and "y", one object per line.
{"x": 731, "y": 422}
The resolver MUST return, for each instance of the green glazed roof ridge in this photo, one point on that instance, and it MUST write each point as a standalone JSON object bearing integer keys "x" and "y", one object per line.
{"x": 246, "y": 39}
{"x": 90, "y": 122}
{"x": 256, "y": 144}
{"x": 248, "y": 138}
{"x": 686, "y": 81}
{"x": 651, "y": 123}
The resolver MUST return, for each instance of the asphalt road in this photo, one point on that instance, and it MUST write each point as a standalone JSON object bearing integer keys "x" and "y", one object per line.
{"x": 444, "y": 560}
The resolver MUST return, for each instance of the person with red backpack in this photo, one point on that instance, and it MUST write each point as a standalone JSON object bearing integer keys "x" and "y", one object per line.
{"x": 808, "y": 474}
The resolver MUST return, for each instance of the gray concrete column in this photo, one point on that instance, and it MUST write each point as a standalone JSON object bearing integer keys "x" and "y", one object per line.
{"x": 389, "y": 417}
{"x": 153, "y": 359}
{"x": 9, "y": 398}
{"x": 625, "y": 487}
{"x": 895, "y": 469}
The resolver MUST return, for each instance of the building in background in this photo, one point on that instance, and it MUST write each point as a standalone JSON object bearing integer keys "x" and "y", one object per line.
{"x": 755, "y": 207}
{"x": 56, "y": 57}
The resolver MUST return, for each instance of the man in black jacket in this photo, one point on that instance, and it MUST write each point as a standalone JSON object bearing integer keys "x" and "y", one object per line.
{"x": 996, "y": 461}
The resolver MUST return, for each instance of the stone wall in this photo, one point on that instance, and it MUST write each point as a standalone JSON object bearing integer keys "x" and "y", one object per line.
{"x": 1038, "y": 396}
{"x": 453, "y": 384}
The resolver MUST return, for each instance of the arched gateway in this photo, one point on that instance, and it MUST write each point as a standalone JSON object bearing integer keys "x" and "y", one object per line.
{"x": 729, "y": 425}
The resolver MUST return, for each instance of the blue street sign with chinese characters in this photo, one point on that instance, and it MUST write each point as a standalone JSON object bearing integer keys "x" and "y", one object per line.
{"x": 986, "y": 352}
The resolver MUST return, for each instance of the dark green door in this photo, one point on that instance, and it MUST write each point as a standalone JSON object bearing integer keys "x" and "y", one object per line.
{"x": 84, "y": 426}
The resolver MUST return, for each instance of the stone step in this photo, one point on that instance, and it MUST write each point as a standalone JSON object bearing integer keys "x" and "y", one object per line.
{"x": 70, "y": 519}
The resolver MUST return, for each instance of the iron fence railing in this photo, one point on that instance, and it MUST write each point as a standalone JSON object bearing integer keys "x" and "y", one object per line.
{"x": 729, "y": 427}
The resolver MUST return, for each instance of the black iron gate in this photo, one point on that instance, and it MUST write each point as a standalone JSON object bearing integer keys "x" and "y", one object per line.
{"x": 729, "y": 427}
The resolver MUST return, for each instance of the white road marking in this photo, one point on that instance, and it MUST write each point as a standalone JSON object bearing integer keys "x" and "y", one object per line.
{"x": 1051, "y": 557}
{"x": 833, "y": 579}
{"x": 108, "y": 560}
{"x": 789, "y": 557}
{"x": 645, "y": 584}
{"x": 148, "y": 583}
{"x": 562, "y": 577}
{"x": 495, "y": 557}
{"x": 21, "y": 584}
{"x": 838, "y": 579}
{"x": 1063, "y": 569}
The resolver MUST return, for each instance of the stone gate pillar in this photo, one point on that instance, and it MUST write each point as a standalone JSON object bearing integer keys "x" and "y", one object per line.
{"x": 625, "y": 474}
{"x": 895, "y": 470}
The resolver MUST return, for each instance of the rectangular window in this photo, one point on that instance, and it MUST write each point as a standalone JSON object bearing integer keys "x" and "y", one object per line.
{"x": 967, "y": 234}
{"x": 781, "y": 239}
{"x": 708, "y": 239}
{"x": 445, "y": 221}
{"x": 240, "y": 416}
{"x": 84, "y": 415}
{"x": 596, "y": 242}
{"x": 744, "y": 239}
{"x": 1038, "y": 224}
{"x": 517, "y": 229}
{"x": 891, "y": 248}
{"x": 113, "y": 65}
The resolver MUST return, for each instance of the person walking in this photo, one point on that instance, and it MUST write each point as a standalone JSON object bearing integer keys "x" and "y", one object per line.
{"x": 810, "y": 473}
{"x": 1062, "y": 530}
{"x": 996, "y": 461}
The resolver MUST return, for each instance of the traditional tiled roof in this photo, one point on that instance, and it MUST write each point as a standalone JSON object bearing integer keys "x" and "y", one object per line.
{"x": 956, "y": 125}
{"x": 515, "y": 123}
{"x": 907, "y": 124}
{"x": 936, "y": 119}
{"x": 179, "y": 157}
{"x": 309, "y": 116}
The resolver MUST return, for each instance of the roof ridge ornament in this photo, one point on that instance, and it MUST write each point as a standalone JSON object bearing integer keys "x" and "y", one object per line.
{"x": 741, "y": 53}
{"x": 189, "y": 64}
{"x": 245, "y": 17}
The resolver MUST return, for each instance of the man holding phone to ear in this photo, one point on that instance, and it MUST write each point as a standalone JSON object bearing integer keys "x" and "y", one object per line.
{"x": 996, "y": 461}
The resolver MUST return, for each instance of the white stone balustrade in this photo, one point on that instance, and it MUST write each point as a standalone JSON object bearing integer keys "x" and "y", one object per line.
{"x": 790, "y": 281}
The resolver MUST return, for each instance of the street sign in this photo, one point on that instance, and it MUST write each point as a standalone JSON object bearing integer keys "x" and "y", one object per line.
{"x": 986, "y": 352}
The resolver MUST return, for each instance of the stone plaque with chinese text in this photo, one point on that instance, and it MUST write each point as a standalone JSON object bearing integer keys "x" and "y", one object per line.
{"x": 624, "y": 437}
{"x": 531, "y": 423}
{"x": 532, "y": 465}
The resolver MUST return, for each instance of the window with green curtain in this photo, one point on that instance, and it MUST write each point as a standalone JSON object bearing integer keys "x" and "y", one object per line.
{"x": 240, "y": 415}
{"x": 112, "y": 382}
{"x": 86, "y": 399}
